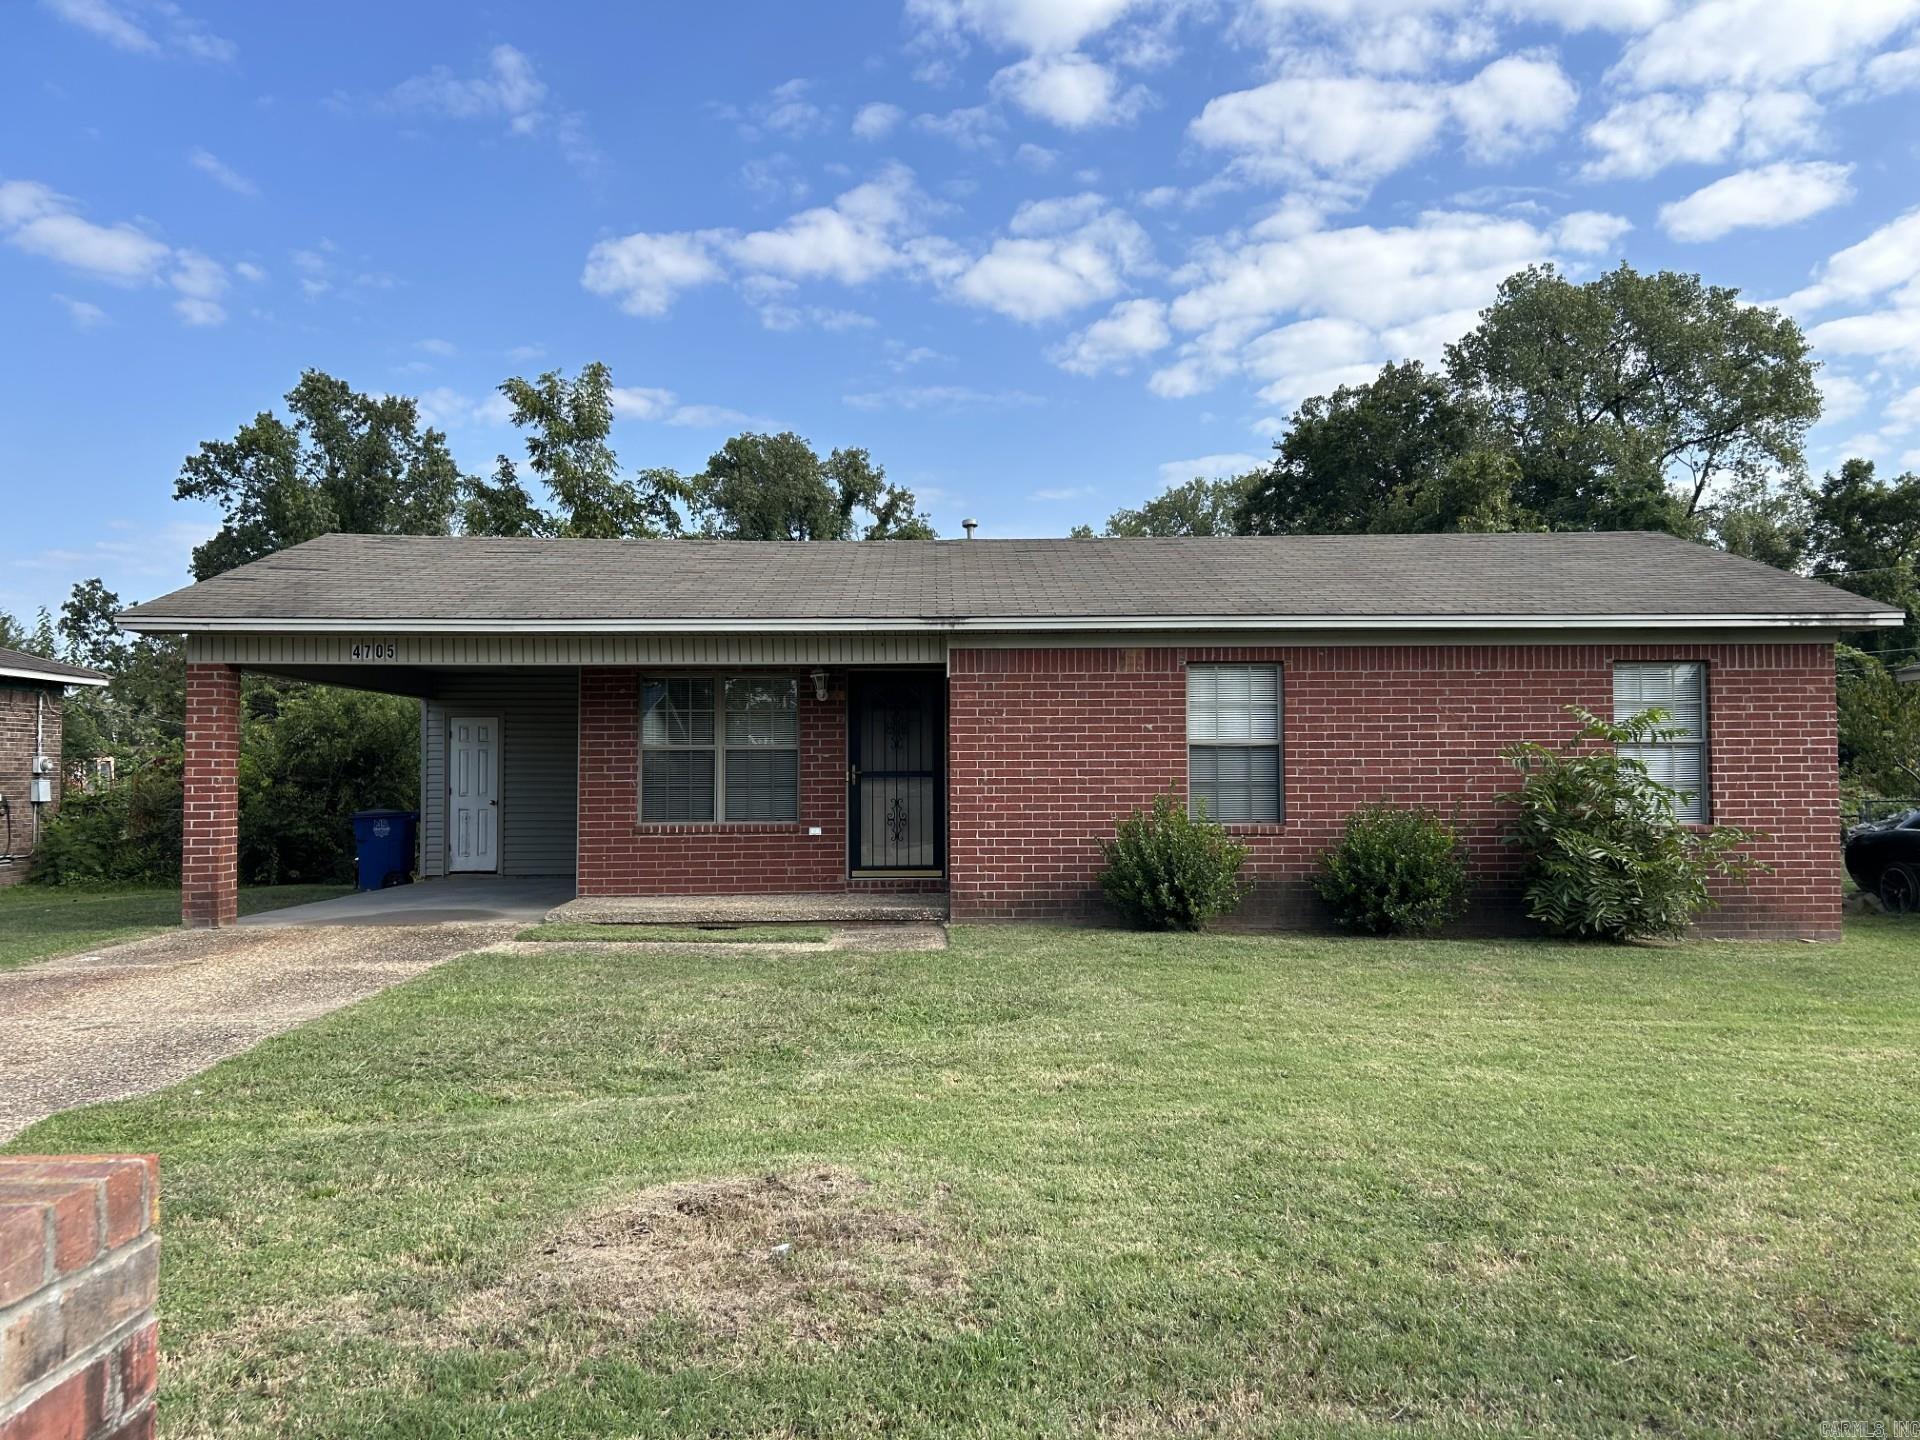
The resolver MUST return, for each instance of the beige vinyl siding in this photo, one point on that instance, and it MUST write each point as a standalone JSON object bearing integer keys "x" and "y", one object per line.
{"x": 409, "y": 652}
{"x": 539, "y": 713}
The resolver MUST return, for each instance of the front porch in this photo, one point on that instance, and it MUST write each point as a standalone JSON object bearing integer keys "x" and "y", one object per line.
{"x": 814, "y": 785}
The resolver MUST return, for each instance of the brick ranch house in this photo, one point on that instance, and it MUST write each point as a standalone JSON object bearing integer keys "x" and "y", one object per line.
{"x": 971, "y": 717}
{"x": 32, "y": 709}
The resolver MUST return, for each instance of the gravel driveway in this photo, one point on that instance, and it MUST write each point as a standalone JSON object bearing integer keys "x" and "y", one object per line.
{"x": 134, "y": 1018}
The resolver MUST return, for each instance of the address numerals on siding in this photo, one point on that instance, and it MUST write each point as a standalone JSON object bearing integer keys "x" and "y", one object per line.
{"x": 374, "y": 650}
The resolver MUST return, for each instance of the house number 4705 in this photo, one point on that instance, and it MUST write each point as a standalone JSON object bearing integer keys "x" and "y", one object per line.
{"x": 375, "y": 650}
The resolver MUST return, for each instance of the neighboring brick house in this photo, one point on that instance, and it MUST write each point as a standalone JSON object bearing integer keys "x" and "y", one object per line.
{"x": 32, "y": 700}
{"x": 972, "y": 717}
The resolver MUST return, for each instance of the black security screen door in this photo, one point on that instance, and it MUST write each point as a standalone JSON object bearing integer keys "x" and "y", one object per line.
{"x": 896, "y": 772}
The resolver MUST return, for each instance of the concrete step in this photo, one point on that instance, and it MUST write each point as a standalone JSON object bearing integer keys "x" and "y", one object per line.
{"x": 835, "y": 908}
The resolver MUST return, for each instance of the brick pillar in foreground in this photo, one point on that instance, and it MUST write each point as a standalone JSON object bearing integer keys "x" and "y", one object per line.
{"x": 79, "y": 1272}
{"x": 210, "y": 828}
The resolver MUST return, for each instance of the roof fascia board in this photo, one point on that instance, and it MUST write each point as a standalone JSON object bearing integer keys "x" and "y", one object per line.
{"x": 1879, "y": 619}
{"x": 41, "y": 676}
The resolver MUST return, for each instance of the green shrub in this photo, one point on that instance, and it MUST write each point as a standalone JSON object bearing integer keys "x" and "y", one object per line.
{"x": 310, "y": 755}
{"x": 128, "y": 835}
{"x": 1167, "y": 870}
{"x": 1394, "y": 871}
{"x": 1604, "y": 855}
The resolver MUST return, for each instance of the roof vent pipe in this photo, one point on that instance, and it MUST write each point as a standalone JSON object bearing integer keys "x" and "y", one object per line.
{"x": 969, "y": 526}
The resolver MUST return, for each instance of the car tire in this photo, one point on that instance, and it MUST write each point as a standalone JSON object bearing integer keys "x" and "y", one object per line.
{"x": 1899, "y": 889}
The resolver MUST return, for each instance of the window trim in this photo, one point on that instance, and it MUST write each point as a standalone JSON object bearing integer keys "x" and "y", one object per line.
{"x": 1278, "y": 744}
{"x": 718, "y": 750}
{"x": 1705, "y": 743}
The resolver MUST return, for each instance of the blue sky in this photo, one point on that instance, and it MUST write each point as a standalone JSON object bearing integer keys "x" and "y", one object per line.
{"x": 1041, "y": 257}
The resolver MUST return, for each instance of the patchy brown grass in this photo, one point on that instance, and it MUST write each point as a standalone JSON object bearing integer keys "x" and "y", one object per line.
{"x": 802, "y": 1257}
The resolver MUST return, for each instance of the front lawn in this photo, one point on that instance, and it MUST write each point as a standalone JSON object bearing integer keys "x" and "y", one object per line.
{"x": 37, "y": 921}
{"x": 1052, "y": 1182}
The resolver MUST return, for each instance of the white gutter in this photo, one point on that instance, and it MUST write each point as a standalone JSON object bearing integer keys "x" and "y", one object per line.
{"x": 1878, "y": 619}
{"x": 7, "y": 673}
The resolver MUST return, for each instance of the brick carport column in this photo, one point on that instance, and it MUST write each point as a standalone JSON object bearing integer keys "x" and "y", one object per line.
{"x": 210, "y": 828}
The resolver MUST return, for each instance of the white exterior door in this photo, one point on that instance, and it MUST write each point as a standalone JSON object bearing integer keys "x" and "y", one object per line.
{"x": 473, "y": 793}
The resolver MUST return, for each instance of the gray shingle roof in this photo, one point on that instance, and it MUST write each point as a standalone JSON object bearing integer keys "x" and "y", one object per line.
{"x": 19, "y": 665}
{"x": 471, "y": 582}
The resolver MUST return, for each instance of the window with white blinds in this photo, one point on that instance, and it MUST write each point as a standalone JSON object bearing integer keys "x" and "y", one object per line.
{"x": 1233, "y": 742}
{"x": 737, "y": 761}
{"x": 1680, "y": 689}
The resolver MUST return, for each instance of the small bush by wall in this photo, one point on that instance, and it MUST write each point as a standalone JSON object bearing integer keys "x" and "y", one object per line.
{"x": 1605, "y": 856}
{"x": 1394, "y": 872}
{"x": 1167, "y": 870}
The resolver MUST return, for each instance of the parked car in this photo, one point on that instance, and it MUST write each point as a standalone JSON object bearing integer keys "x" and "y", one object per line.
{"x": 1883, "y": 856}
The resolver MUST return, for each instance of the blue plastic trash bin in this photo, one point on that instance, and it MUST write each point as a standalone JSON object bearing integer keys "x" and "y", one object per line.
{"x": 383, "y": 844}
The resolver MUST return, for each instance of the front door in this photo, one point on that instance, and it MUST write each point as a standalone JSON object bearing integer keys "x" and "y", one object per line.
{"x": 473, "y": 793}
{"x": 897, "y": 773}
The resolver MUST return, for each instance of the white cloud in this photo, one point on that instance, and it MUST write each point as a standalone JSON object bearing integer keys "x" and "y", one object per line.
{"x": 1591, "y": 232}
{"x": 1512, "y": 105}
{"x": 223, "y": 174}
{"x": 1041, "y": 26}
{"x": 1766, "y": 198}
{"x": 84, "y": 314}
{"x": 1764, "y": 43}
{"x": 1209, "y": 467}
{"x": 1351, "y": 125}
{"x": 1895, "y": 70}
{"x": 509, "y": 88}
{"x": 1069, "y": 90}
{"x": 877, "y": 120}
{"x": 38, "y": 220}
{"x": 973, "y": 127}
{"x": 1887, "y": 258}
{"x": 445, "y": 408}
{"x": 249, "y": 272}
{"x": 1841, "y": 398}
{"x": 1037, "y": 158}
{"x": 1892, "y": 333}
{"x": 151, "y": 27}
{"x": 1348, "y": 300}
{"x": 201, "y": 282}
{"x": 938, "y": 397}
{"x": 1640, "y": 137}
{"x": 1357, "y": 128}
{"x": 647, "y": 403}
{"x": 779, "y": 316}
{"x": 1061, "y": 255}
{"x": 646, "y": 273}
{"x": 445, "y": 349}
{"x": 1133, "y": 328}
{"x": 1063, "y": 492}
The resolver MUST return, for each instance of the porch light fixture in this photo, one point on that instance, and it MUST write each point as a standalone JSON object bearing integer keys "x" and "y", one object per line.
{"x": 819, "y": 678}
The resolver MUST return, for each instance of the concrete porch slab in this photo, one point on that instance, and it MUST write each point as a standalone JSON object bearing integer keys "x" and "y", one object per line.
{"x": 752, "y": 909}
{"x": 458, "y": 899}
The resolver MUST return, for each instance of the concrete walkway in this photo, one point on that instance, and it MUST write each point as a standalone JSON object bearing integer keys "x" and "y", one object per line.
{"x": 132, "y": 1019}
{"x": 457, "y": 899}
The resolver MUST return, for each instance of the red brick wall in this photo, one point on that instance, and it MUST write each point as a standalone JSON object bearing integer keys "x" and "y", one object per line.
{"x": 21, "y": 711}
{"x": 620, "y": 856}
{"x": 79, "y": 1272}
{"x": 1049, "y": 747}
{"x": 210, "y": 826}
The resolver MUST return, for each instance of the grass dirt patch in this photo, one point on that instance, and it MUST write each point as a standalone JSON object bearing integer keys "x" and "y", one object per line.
{"x": 804, "y": 1256}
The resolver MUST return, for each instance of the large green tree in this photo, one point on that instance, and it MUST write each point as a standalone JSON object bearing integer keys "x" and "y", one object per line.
{"x": 343, "y": 461}
{"x": 775, "y": 487}
{"x": 568, "y": 424}
{"x": 1864, "y": 535}
{"x": 1629, "y": 400}
{"x": 1199, "y": 507}
{"x": 1363, "y": 458}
